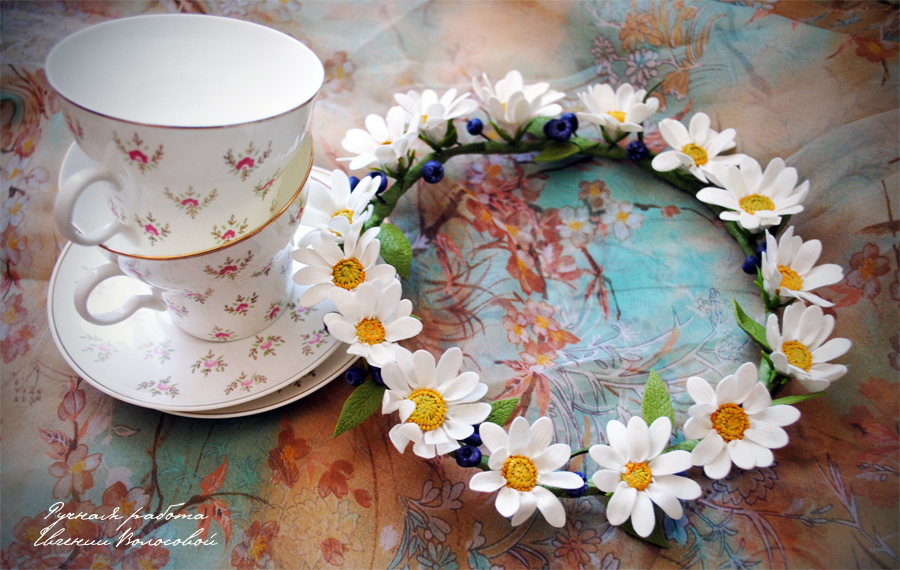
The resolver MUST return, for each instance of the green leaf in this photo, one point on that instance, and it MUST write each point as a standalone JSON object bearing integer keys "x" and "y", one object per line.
{"x": 557, "y": 151}
{"x": 501, "y": 410}
{"x": 767, "y": 372}
{"x": 686, "y": 445}
{"x": 361, "y": 404}
{"x": 797, "y": 398}
{"x": 657, "y": 402}
{"x": 756, "y": 331}
{"x": 395, "y": 249}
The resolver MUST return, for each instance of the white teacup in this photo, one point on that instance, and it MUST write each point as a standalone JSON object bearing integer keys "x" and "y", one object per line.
{"x": 227, "y": 293}
{"x": 189, "y": 118}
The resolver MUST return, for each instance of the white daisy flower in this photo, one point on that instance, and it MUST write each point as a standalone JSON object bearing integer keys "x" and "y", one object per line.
{"x": 372, "y": 319}
{"x": 622, "y": 217}
{"x": 617, "y": 111}
{"x": 755, "y": 199}
{"x": 337, "y": 206}
{"x": 438, "y": 406}
{"x": 736, "y": 422}
{"x": 432, "y": 114}
{"x": 787, "y": 268}
{"x": 698, "y": 148}
{"x": 512, "y": 104}
{"x": 638, "y": 473}
{"x": 385, "y": 141}
{"x": 799, "y": 348}
{"x": 520, "y": 463}
{"x": 328, "y": 266}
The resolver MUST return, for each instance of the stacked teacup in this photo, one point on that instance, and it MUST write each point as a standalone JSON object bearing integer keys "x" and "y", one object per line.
{"x": 191, "y": 154}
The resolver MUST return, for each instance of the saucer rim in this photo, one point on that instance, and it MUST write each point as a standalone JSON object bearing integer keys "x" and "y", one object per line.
{"x": 79, "y": 370}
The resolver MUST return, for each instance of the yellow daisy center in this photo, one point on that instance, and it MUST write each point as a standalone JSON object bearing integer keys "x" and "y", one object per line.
{"x": 730, "y": 421}
{"x": 790, "y": 279}
{"x": 370, "y": 331}
{"x": 348, "y": 273}
{"x": 622, "y": 217}
{"x": 797, "y": 354}
{"x": 697, "y": 153}
{"x": 637, "y": 475}
{"x": 430, "y": 409}
{"x": 617, "y": 115}
{"x": 520, "y": 473}
{"x": 78, "y": 467}
{"x": 755, "y": 203}
{"x": 346, "y": 213}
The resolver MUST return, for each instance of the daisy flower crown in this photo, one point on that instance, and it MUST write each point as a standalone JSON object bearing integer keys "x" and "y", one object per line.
{"x": 357, "y": 258}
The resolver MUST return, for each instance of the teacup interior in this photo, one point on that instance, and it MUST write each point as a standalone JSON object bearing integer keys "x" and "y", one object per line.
{"x": 184, "y": 70}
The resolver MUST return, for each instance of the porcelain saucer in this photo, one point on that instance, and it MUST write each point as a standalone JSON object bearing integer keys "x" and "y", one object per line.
{"x": 148, "y": 361}
{"x": 332, "y": 367}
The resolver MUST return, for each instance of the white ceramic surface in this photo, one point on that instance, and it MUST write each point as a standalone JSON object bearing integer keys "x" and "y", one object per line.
{"x": 177, "y": 105}
{"x": 225, "y": 294}
{"x": 148, "y": 361}
{"x": 332, "y": 367}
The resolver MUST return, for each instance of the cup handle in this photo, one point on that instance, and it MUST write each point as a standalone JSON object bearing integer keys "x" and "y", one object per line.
{"x": 64, "y": 210}
{"x": 100, "y": 274}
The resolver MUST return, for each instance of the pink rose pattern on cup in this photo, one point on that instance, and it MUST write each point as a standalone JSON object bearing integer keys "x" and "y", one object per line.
{"x": 103, "y": 347}
{"x": 229, "y": 230}
{"x": 139, "y": 154}
{"x": 209, "y": 363}
{"x": 154, "y": 231}
{"x": 242, "y": 304}
{"x": 179, "y": 311}
{"x": 245, "y": 383}
{"x": 191, "y": 201}
{"x": 313, "y": 340}
{"x": 158, "y": 350}
{"x": 265, "y": 346}
{"x": 262, "y": 189}
{"x": 231, "y": 268}
{"x": 219, "y": 334}
{"x": 244, "y": 164}
{"x": 274, "y": 311}
{"x": 200, "y": 297}
{"x": 163, "y": 387}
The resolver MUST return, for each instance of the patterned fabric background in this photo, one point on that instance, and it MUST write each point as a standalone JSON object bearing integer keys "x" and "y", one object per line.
{"x": 572, "y": 323}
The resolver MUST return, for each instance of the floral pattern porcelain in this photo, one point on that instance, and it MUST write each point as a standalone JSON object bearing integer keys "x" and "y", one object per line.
{"x": 134, "y": 105}
{"x": 149, "y": 361}
{"x": 224, "y": 295}
{"x": 175, "y": 216}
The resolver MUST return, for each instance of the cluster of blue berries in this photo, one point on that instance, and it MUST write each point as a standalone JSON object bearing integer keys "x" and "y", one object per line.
{"x": 469, "y": 455}
{"x": 754, "y": 262}
{"x": 561, "y": 129}
{"x": 356, "y": 375}
{"x": 382, "y": 184}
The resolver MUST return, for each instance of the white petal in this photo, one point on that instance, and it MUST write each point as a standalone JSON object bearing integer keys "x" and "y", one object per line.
{"x": 507, "y": 502}
{"x": 680, "y": 487}
{"x": 527, "y": 505}
{"x": 449, "y": 364}
{"x": 720, "y": 465}
{"x": 766, "y": 434}
{"x": 659, "y": 435}
{"x": 498, "y": 458}
{"x": 607, "y": 480}
{"x": 638, "y": 439}
{"x": 561, "y": 480}
{"x": 671, "y": 462}
{"x": 764, "y": 455}
{"x": 708, "y": 449}
{"x": 620, "y": 505}
{"x": 781, "y": 415}
{"x": 493, "y": 436}
{"x": 607, "y": 457}
{"x": 541, "y": 434}
{"x": 423, "y": 363}
{"x": 550, "y": 506}
{"x": 519, "y": 436}
{"x": 668, "y": 503}
{"x": 402, "y": 328}
{"x": 459, "y": 387}
{"x": 697, "y": 427}
{"x": 487, "y": 481}
{"x": 642, "y": 518}
{"x": 471, "y": 414}
{"x": 758, "y": 399}
{"x": 617, "y": 434}
{"x": 701, "y": 391}
{"x": 832, "y": 349}
{"x": 552, "y": 458}
{"x": 741, "y": 454}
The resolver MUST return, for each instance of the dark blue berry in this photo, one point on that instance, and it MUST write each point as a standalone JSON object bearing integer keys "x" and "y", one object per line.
{"x": 468, "y": 456}
{"x": 636, "y": 151}
{"x": 433, "y": 171}
{"x": 751, "y": 264}
{"x": 382, "y": 186}
{"x": 353, "y": 182}
{"x": 579, "y": 492}
{"x": 760, "y": 248}
{"x": 558, "y": 130}
{"x": 475, "y": 127}
{"x": 474, "y": 439}
{"x": 376, "y": 375}
{"x": 355, "y": 375}
{"x": 571, "y": 119}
